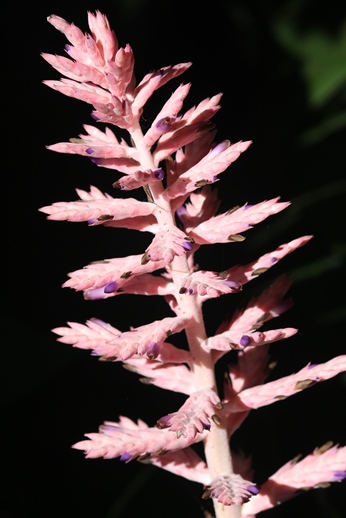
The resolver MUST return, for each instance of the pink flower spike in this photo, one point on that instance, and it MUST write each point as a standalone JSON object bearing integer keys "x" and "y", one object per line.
{"x": 230, "y": 490}
{"x": 208, "y": 285}
{"x": 168, "y": 376}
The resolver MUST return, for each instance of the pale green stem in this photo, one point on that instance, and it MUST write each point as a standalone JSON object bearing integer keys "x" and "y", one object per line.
{"x": 216, "y": 444}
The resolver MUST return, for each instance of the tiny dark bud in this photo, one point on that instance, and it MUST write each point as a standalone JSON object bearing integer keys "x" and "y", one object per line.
{"x": 272, "y": 365}
{"x": 107, "y": 359}
{"x": 116, "y": 185}
{"x": 144, "y": 457}
{"x": 233, "y": 209}
{"x": 296, "y": 458}
{"x": 259, "y": 271}
{"x": 236, "y": 237}
{"x": 145, "y": 258}
{"x": 326, "y": 446}
{"x": 125, "y": 275}
{"x": 280, "y": 398}
{"x": 303, "y": 384}
{"x": 90, "y": 151}
{"x": 216, "y": 419}
{"x": 219, "y": 405}
{"x": 182, "y": 290}
{"x": 323, "y": 485}
{"x": 201, "y": 183}
{"x": 168, "y": 333}
{"x": 145, "y": 381}
{"x": 104, "y": 217}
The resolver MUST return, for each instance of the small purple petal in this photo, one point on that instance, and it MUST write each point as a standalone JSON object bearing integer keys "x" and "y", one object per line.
{"x": 94, "y": 116}
{"x": 339, "y": 475}
{"x": 248, "y": 206}
{"x": 191, "y": 291}
{"x": 164, "y": 124}
{"x": 111, "y": 287}
{"x": 245, "y": 341}
{"x": 67, "y": 48}
{"x": 219, "y": 148}
{"x": 273, "y": 260}
{"x": 90, "y": 151}
{"x": 159, "y": 174}
{"x": 181, "y": 211}
{"x": 206, "y": 426}
{"x": 235, "y": 286}
{"x": 153, "y": 351}
{"x": 187, "y": 245}
{"x": 312, "y": 365}
{"x": 253, "y": 490}
{"x": 125, "y": 457}
{"x": 96, "y": 161}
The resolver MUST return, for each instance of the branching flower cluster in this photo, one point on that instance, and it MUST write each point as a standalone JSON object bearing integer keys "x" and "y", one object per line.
{"x": 176, "y": 161}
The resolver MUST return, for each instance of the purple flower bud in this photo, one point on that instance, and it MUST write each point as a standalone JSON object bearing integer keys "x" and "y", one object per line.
{"x": 191, "y": 291}
{"x": 159, "y": 174}
{"x": 94, "y": 116}
{"x": 219, "y": 148}
{"x": 234, "y": 285}
{"x": 111, "y": 287}
{"x": 245, "y": 340}
{"x": 95, "y": 161}
{"x": 273, "y": 260}
{"x": 339, "y": 475}
{"x": 164, "y": 124}
{"x": 90, "y": 151}
{"x": 67, "y": 48}
{"x": 187, "y": 245}
{"x": 253, "y": 489}
{"x": 312, "y": 365}
{"x": 206, "y": 426}
{"x": 125, "y": 457}
{"x": 153, "y": 351}
{"x": 181, "y": 211}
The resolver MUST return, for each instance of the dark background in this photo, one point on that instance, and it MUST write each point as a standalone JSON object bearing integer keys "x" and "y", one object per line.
{"x": 282, "y": 69}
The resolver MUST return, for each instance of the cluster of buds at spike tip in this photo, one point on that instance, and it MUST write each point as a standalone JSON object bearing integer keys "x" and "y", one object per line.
{"x": 176, "y": 161}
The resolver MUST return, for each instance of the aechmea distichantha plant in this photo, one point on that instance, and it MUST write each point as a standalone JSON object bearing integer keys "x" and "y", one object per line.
{"x": 177, "y": 161}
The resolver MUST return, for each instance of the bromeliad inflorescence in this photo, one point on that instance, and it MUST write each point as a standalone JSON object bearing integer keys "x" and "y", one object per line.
{"x": 177, "y": 161}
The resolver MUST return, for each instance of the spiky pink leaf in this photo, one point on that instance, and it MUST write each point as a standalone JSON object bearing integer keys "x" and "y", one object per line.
{"x": 94, "y": 150}
{"x": 155, "y": 80}
{"x": 166, "y": 116}
{"x": 230, "y": 490}
{"x": 167, "y": 244}
{"x": 201, "y": 207}
{"x": 244, "y": 274}
{"x": 109, "y": 343}
{"x": 194, "y": 416}
{"x": 177, "y": 378}
{"x": 207, "y": 169}
{"x": 225, "y": 228}
{"x": 101, "y": 273}
{"x": 98, "y": 336}
{"x": 128, "y": 443}
{"x": 324, "y": 465}
{"x": 256, "y": 397}
{"x": 88, "y": 93}
{"x": 238, "y": 340}
{"x": 104, "y": 208}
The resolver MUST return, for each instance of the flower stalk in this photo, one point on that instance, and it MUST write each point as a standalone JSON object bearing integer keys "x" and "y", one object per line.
{"x": 177, "y": 162}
